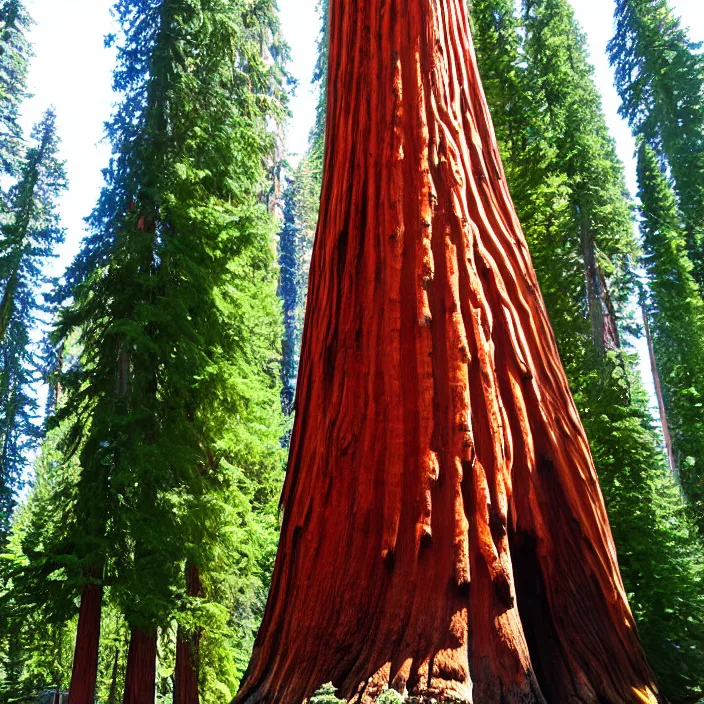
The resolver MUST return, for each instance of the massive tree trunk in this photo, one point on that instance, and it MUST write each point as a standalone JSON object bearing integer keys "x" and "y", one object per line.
{"x": 444, "y": 531}
{"x": 140, "y": 678}
{"x": 84, "y": 673}
{"x": 187, "y": 650}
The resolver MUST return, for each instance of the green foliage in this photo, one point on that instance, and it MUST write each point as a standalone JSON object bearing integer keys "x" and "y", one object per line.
{"x": 569, "y": 190}
{"x": 15, "y": 53}
{"x": 660, "y": 79}
{"x": 169, "y": 421}
{"x": 661, "y": 559}
{"x": 320, "y": 78}
{"x": 676, "y": 311}
{"x": 28, "y": 237}
{"x": 290, "y": 294}
{"x": 35, "y": 612}
{"x": 325, "y": 695}
{"x": 301, "y": 202}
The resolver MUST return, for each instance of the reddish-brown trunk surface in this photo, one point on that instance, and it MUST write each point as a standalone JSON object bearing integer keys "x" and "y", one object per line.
{"x": 140, "y": 679}
{"x": 187, "y": 650}
{"x": 84, "y": 674}
{"x": 444, "y": 531}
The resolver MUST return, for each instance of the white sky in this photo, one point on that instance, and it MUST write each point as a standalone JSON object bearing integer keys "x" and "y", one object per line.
{"x": 72, "y": 71}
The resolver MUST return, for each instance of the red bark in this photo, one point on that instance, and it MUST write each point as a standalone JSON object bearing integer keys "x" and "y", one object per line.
{"x": 140, "y": 678}
{"x": 444, "y": 530}
{"x": 187, "y": 650}
{"x": 84, "y": 673}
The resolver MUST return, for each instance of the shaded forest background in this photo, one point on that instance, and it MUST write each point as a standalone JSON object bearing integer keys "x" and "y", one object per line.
{"x": 170, "y": 347}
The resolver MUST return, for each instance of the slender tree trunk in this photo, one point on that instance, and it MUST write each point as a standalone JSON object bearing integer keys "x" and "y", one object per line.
{"x": 112, "y": 693}
{"x": 84, "y": 674}
{"x": 601, "y": 313}
{"x": 7, "y": 304}
{"x": 140, "y": 679}
{"x": 444, "y": 530}
{"x": 187, "y": 650}
{"x": 658, "y": 393}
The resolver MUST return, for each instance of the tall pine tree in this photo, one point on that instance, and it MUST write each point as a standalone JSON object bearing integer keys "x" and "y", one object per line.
{"x": 29, "y": 237}
{"x": 173, "y": 407}
{"x": 676, "y": 313}
{"x": 290, "y": 294}
{"x": 660, "y": 79}
{"x": 15, "y": 53}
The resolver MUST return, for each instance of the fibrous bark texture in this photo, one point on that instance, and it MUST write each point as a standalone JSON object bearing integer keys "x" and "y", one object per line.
{"x": 84, "y": 673}
{"x": 187, "y": 650}
{"x": 140, "y": 678}
{"x": 444, "y": 531}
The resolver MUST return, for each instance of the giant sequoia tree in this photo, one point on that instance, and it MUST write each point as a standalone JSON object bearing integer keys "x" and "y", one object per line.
{"x": 444, "y": 530}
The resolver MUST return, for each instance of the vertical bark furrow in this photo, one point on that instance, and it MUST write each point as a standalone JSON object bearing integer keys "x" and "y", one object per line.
{"x": 444, "y": 531}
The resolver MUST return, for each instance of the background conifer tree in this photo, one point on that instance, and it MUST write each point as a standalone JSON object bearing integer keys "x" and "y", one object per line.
{"x": 558, "y": 158}
{"x": 172, "y": 409}
{"x": 28, "y": 238}
{"x": 15, "y": 54}
{"x": 290, "y": 294}
{"x": 660, "y": 79}
{"x": 676, "y": 313}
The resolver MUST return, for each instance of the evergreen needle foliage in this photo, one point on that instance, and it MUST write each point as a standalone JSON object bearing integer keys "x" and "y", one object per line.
{"x": 15, "y": 53}
{"x": 301, "y": 200}
{"x": 35, "y": 616}
{"x": 169, "y": 416}
{"x": 569, "y": 191}
{"x": 28, "y": 237}
{"x": 290, "y": 294}
{"x": 660, "y": 79}
{"x": 676, "y": 310}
